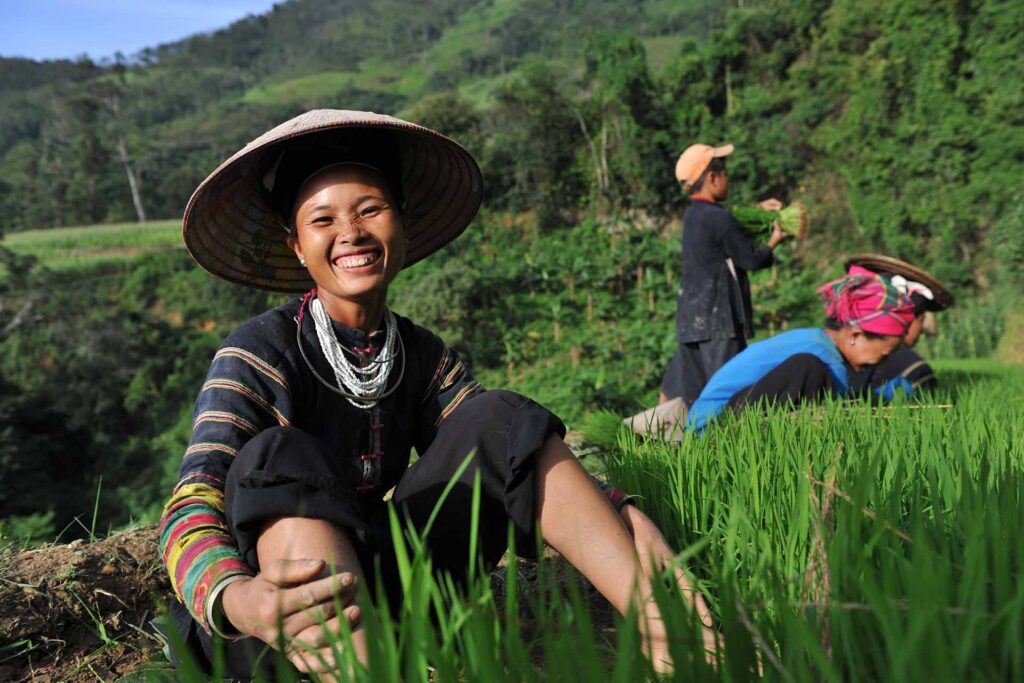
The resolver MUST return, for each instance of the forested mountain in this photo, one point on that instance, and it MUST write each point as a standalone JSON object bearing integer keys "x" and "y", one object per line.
{"x": 900, "y": 122}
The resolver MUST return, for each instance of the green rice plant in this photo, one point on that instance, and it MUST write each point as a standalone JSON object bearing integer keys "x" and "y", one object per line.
{"x": 603, "y": 427}
{"x": 855, "y": 543}
{"x": 759, "y": 223}
{"x": 970, "y": 329}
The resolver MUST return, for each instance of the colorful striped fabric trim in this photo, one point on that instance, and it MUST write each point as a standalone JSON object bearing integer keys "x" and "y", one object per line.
{"x": 255, "y": 361}
{"x": 450, "y": 378}
{"x": 225, "y": 417}
{"x": 238, "y": 387}
{"x": 196, "y": 475}
{"x": 210, "y": 446}
{"x": 432, "y": 386}
{"x": 463, "y": 393}
{"x": 195, "y": 546}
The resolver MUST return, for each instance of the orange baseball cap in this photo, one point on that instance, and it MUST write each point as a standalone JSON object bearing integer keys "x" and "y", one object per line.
{"x": 695, "y": 160}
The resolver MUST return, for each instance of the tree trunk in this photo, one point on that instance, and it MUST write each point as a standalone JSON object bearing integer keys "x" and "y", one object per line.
{"x": 22, "y": 315}
{"x": 133, "y": 183}
{"x": 728, "y": 88}
{"x": 598, "y": 175}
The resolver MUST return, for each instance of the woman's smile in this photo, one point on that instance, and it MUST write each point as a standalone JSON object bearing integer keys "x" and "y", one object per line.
{"x": 360, "y": 261}
{"x": 350, "y": 237}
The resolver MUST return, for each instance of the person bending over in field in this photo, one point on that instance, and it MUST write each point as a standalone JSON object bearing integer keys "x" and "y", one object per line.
{"x": 310, "y": 410}
{"x": 866, "y": 317}
{"x": 903, "y": 369}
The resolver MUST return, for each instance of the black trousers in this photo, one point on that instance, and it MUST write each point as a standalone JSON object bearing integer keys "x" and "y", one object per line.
{"x": 694, "y": 363}
{"x": 802, "y": 377}
{"x": 286, "y": 472}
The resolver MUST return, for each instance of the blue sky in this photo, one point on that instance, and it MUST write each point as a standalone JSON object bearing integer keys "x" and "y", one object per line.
{"x": 55, "y": 29}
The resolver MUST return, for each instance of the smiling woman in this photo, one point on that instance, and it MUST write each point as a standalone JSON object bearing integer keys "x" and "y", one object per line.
{"x": 310, "y": 411}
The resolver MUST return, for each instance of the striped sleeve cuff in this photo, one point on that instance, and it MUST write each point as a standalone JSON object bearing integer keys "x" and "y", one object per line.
{"x": 616, "y": 496}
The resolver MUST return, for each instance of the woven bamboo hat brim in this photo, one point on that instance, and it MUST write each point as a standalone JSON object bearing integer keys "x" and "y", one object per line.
{"x": 887, "y": 264}
{"x": 232, "y": 229}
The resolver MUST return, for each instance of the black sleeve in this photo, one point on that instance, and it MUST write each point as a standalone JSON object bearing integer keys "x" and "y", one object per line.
{"x": 801, "y": 377}
{"x": 920, "y": 375}
{"x": 451, "y": 383}
{"x": 741, "y": 248}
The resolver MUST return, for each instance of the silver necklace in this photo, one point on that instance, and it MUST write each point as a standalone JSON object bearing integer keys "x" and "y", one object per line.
{"x": 366, "y": 385}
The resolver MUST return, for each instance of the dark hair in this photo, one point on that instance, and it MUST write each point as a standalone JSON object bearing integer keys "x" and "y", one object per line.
{"x": 717, "y": 165}
{"x": 301, "y": 158}
{"x": 833, "y": 324}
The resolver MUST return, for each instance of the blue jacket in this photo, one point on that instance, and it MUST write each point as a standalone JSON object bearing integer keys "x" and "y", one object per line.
{"x": 756, "y": 361}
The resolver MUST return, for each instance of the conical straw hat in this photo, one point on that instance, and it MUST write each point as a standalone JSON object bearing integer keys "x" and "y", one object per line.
{"x": 233, "y": 230}
{"x": 880, "y": 263}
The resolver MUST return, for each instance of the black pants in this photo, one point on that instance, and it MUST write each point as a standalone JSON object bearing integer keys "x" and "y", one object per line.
{"x": 800, "y": 378}
{"x": 694, "y": 363}
{"x": 284, "y": 472}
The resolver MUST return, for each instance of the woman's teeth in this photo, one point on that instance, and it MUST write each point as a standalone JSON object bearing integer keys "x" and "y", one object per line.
{"x": 357, "y": 260}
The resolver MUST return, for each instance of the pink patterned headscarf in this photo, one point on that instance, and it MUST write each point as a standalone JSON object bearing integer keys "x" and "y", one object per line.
{"x": 869, "y": 301}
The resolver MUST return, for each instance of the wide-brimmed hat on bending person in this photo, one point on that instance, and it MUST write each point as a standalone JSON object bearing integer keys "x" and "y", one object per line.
{"x": 928, "y": 293}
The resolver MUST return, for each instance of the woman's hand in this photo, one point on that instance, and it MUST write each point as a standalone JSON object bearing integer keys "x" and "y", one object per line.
{"x": 288, "y": 602}
{"x": 655, "y": 555}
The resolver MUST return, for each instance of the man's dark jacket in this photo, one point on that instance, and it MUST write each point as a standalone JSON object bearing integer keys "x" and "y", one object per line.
{"x": 713, "y": 303}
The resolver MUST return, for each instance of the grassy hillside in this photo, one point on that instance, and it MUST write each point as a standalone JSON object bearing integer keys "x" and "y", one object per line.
{"x": 86, "y": 247}
{"x": 575, "y": 109}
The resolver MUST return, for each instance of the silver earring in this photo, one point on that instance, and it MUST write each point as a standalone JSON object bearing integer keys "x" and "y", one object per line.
{"x": 302, "y": 262}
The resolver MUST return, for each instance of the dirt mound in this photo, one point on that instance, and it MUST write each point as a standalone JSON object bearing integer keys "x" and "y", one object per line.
{"x": 80, "y": 612}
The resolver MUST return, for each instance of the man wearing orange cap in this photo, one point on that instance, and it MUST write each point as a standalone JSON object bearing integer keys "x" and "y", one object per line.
{"x": 714, "y": 315}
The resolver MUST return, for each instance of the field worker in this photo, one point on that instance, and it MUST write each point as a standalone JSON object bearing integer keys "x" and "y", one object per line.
{"x": 310, "y": 410}
{"x": 903, "y": 369}
{"x": 866, "y": 317}
{"x": 714, "y": 316}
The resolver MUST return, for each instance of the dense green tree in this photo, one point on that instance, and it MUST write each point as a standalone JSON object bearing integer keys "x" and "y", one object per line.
{"x": 627, "y": 147}
{"x": 451, "y": 114}
{"x": 533, "y": 143}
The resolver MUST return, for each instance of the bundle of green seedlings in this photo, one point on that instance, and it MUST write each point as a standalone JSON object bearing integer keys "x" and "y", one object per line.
{"x": 758, "y": 223}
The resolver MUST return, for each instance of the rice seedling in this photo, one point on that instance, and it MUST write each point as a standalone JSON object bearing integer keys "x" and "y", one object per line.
{"x": 832, "y": 545}
{"x": 846, "y": 546}
{"x": 759, "y": 222}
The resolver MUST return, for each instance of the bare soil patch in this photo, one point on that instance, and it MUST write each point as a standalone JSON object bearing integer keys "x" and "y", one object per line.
{"x": 81, "y": 611}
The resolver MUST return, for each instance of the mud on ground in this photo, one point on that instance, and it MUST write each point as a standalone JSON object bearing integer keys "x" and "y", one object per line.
{"x": 81, "y": 611}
